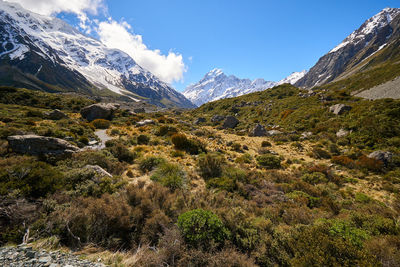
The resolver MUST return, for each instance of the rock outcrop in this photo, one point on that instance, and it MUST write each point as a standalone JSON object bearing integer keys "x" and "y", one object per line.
{"x": 258, "y": 130}
{"x": 339, "y": 109}
{"x": 40, "y": 145}
{"x": 200, "y": 120}
{"x": 384, "y": 156}
{"x": 217, "y": 118}
{"x": 56, "y": 115}
{"x": 230, "y": 122}
{"x": 99, "y": 111}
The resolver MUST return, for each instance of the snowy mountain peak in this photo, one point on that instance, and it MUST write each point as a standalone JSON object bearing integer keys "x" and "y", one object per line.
{"x": 36, "y": 44}
{"x": 216, "y": 85}
{"x": 371, "y": 26}
{"x": 293, "y": 78}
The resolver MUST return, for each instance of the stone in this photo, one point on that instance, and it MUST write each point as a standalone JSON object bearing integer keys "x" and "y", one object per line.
{"x": 217, "y": 118}
{"x": 45, "y": 259}
{"x": 40, "y": 145}
{"x": 98, "y": 170}
{"x": 342, "y": 133}
{"x": 273, "y": 132}
{"x": 306, "y": 135}
{"x": 258, "y": 130}
{"x": 230, "y": 122}
{"x": 139, "y": 110}
{"x": 339, "y": 109}
{"x": 200, "y": 120}
{"x": 145, "y": 122}
{"x": 384, "y": 156}
{"x": 99, "y": 111}
{"x": 56, "y": 115}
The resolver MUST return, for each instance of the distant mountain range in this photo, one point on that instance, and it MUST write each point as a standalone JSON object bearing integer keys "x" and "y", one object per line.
{"x": 46, "y": 53}
{"x": 217, "y": 85}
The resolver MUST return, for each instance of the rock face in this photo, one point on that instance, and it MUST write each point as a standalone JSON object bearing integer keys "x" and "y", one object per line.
{"x": 339, "y": 109}
{"x": 200, "y": 120}
{"x": 40, "y": 145}
{"x": 258, "y": 130}
{"x": 217, "y": 118}
{"x": 230, "y": 122}
{"x": 26, "y": 256}
{"x": 99, "y": 111}
{"x": 384, "y": 156}
{"x": 56, "y": 115}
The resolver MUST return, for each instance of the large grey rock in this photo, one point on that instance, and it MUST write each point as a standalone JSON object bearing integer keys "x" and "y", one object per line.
{"x": 339, "y": 109}
{"x": 200, "y": 120}
{"x": 230, "y": 122}
{"x": 98, "y": 170}
{"x": 99, "y": 111}
{"x": 258, "y": 130}
{"x": 217, "y": 118}
{"x": 342, "y": 133}
{"x": 306, "y": 135}
{"x": 40, "y": 145}
{"x": 273, "y": 132}
{"x": 139, "y": 110}
{"x": 384, "y": 156}
{"x": 56, "y": 115}
{"x": 145, "y": 122}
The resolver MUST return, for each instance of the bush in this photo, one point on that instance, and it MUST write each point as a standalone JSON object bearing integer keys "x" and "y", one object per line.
{"x": 169, "y": 175}
{"x": 101, "y": 124}
{"x": 149, "y": 163}
{"x": 143, "y": 139}
{"x": 266, "y": 144}
{"x": 269, "y": 161}
{"x": 191, "y": 146}
{"x": 343, "y": 161}
{"x": 210, "y": 165}
{"x": 319, "y": 153}
{"x": 202, "y": 229}
{"x": 84, "y": 140}
{"x": 314, "y": 178}
{"x": 229, "y": 180}
{"x": 122, "y": 153}
{"x": 166, "y": 130}
{"x": 370, "y": 164}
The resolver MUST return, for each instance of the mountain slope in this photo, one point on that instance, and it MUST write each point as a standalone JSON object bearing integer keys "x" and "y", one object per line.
{"x": 41, "y": 52}
{"x": 374, "y": 35}
{"x": 217, "y": 85}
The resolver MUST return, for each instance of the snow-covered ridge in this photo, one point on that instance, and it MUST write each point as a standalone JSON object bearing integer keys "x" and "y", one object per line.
{"x": 54, "y": 39}
{"x": 293, "y": 78}
{"x": 371, "y": 26}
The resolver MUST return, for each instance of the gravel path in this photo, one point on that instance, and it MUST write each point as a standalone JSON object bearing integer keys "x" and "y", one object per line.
{"x": 26, "y": 256}
{"x": 387, "y": 90}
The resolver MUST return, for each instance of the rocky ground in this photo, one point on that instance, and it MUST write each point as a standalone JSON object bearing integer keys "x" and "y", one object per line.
{"x": 26, "y": 256}
{"x": 386, "y": 90}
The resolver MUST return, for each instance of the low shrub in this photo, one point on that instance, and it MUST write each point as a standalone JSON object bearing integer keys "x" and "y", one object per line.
{"x": 269, "y": 161}
{"x": 169, "y": 175}
{"x": 101, "y": 124}
{"x": 344, "y": 161}
{"x": 266, "y": 144}
{"x": 122, "y": 153}
{"x": 210, "y": 165}
{"x": 149, "y": 163}
{"x": 314, "y": 178}
{"x": 319, "y": 153}
{"x": 369, "y": 164}
{"x": 165, "y": 130}
{"x": 191, "y": 146}
{"x": 143, "y": 139}
{"x": 202, "y": 229}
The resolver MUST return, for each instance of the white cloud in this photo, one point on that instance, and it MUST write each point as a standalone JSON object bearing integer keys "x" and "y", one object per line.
{"x": 168, "y": 68}
{"x": 51, "y": 7}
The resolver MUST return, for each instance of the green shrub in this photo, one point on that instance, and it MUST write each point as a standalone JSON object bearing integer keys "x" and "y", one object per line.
{"x": 266, "y": 144}
{"x": 229, "y": 180}
{"x": 202, "y": 229}
{"x": 269, "y": 161}
{"x": 169, "y": 175}
{"x": 101, "y": 124}
{"x": 362, "y": 198}
{"x": 191, "y": 146}
{"x": 314, "y": 178}
{"x": 143, "y": 139}
{"x": 34, "y": 113}
{"x": 84, "y": 140}
{"x": 149, "y": 163}
{"x": 319, "y": 153}
{"x": 122, "y": 153}
{"x": 245, "y": 158}
{"x": 210, "y": 165}
{"x": 166, "y": 130}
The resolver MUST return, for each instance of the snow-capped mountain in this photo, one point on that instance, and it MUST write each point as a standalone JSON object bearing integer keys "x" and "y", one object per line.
{"x": 372, "y": 36}
{"x": 293, "y": 78}
{"x": 42, "y": 52}
{"x": 216, "y": 85}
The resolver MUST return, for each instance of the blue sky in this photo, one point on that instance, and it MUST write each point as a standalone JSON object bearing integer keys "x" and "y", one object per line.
{"x": 250, "y": 39}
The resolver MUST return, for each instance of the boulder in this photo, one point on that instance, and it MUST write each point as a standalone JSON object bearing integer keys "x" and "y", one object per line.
{"x": 40, "y": 145}
{"x": 139, "y": 110}
{"x": 200, "y": 120}
{"x": 230, "y": 122}
{"x": 99, "y": 111}
{"x": 342, "y": 133}
{"x": 144, "y": 122}
{"x": 56, "y": 115}
{"x": 258, "y": 130}
{"x": 384, "y": 156}
{"x": 98, "y": 170}
{"x": 306, "y": 135}
{"x": 339, "y": 109}
{"x": 273, "y": 132}
{"x": 217, "y": 118}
